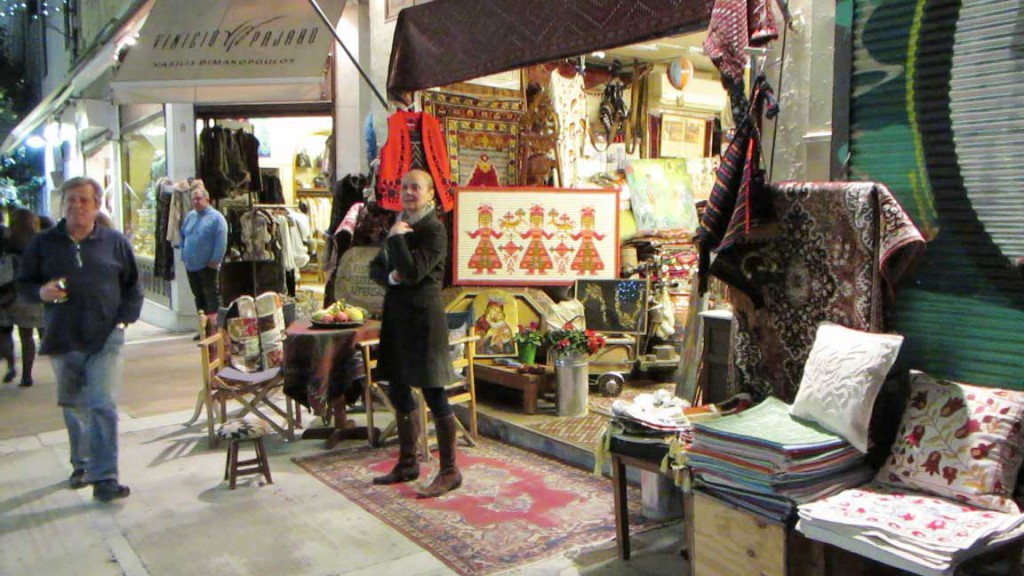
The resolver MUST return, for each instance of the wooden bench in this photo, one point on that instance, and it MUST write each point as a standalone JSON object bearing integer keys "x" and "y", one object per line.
{"x": 531, "y": 385}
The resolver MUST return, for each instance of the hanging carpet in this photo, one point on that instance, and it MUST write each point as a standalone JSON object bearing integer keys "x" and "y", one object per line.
{"x": 836, "y": 255}
{"x": 482, "y": 136}
{"x": 514, "y": 508}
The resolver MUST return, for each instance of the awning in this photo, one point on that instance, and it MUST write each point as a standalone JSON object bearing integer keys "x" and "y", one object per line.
{"x": 229, "y": 51}
{"x": 89, "y": 69}
{"x": 449, "y": 41}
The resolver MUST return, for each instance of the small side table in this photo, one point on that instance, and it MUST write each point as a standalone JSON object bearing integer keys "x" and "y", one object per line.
{"x": 531, "y": 385}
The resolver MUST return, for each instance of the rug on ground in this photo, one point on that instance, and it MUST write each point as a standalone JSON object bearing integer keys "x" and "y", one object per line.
{"x": 514, "y": 508}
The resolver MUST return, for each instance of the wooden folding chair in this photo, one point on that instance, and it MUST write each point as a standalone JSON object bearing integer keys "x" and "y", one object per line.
{"x": 253, "y": 391}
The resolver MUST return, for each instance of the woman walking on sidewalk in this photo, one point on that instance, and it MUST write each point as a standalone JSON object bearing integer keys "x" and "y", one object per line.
{"x": 24, "y": 314}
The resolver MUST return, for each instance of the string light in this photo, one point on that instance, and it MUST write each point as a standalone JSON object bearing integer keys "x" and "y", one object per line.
{"x": 36, "y": 9}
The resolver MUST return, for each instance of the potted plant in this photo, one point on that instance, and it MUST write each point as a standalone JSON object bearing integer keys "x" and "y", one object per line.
{"x": 529, "y": 339}
{"x": 572, "y": 347}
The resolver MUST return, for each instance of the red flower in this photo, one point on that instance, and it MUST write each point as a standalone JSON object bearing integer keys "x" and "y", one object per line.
{"x": 981, "y": 451}
{"x": 949, "y": 473}
{"x": 564, "y": 343}
{"x": 969, "y": 427}
{"x": 951, "y": 406}
{"x": 534, "y": 325}
{"x": 568, "y": 326}
{"x": 932, "y": 464}
{"x": 915, "y": 437}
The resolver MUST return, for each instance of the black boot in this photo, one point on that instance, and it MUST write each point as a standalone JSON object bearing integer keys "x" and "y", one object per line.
{"x": 448, "y": 477}
{"x": 407, "y": 468}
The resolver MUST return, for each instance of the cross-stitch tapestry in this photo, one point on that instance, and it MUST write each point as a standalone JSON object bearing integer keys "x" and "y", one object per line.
{"x": 482, "y": 137}
{"x": 535, "y": 236}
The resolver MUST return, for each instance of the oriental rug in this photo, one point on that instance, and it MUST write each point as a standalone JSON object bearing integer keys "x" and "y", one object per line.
{"x": 482, "y": 135}
{"x": 584, "y": 431}
{"x": 514, "y": 508}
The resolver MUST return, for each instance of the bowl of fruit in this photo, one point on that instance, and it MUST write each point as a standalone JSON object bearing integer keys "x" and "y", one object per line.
{"x": 339, "y": 315}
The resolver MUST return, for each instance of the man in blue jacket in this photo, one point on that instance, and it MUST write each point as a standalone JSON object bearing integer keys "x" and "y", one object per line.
{"x": 87, "y": 278}
{"x": 204, "y": 240}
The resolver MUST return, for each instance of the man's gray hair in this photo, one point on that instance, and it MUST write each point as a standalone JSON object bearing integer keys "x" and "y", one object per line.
{"x": 79, "y": 182}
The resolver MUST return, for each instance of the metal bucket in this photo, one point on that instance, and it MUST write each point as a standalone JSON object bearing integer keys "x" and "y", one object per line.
{"x": 572, "y": 377}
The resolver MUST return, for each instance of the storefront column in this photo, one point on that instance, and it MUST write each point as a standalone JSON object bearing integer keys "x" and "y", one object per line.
{"x": 348, "y": 95}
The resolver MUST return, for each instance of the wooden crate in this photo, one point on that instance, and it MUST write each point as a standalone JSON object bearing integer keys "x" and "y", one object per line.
{"x": 728, "y": 541}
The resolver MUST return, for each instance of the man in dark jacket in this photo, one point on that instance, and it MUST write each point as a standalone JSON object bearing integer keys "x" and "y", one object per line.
{"x": 86, "y": 276}
{"x": 414, "y": 331}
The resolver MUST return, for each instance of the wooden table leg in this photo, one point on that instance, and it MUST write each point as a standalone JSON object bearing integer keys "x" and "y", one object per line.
{"x": 530, "y": 393}
{"x": 621, "y": 507}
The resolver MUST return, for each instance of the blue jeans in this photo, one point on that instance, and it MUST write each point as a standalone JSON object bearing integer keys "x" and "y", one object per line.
{"x": 87, "y": 385}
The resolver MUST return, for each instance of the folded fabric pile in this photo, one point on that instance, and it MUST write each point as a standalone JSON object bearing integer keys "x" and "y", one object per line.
{"x": 656, "y": 414}
{"x": 767, "y": 461}
{"x": 918, "y": 533}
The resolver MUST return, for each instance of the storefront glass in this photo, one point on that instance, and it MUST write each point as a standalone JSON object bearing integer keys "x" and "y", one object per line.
{"x": 143, "y": 163}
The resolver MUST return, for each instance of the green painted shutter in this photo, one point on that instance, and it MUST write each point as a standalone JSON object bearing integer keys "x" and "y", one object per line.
{"x": 937, "y": 114}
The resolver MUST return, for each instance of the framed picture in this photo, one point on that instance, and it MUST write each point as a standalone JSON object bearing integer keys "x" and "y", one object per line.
{"x": 614, "y": 305}
{"x": 393, "y": 7}
{"x": 529, "y": 236}
{"x": 495, "y": 320}
{"x": 682, "y": 136}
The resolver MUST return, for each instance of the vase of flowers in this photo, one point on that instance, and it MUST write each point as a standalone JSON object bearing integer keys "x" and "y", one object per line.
{"x": 529, "y": 339}
{"x": 572, "y": 348}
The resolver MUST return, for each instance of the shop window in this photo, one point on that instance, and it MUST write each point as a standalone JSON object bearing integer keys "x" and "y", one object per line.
{"x": 143, "y": 163}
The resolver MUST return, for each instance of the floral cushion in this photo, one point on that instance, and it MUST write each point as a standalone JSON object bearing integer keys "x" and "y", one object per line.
{"x": 959, "y": 441}
{"x": 241, "y": 429}
{"x": 842, "y": 377}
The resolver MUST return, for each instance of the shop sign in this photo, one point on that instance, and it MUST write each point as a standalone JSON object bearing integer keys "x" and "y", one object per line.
{"x": 231, "y": 39}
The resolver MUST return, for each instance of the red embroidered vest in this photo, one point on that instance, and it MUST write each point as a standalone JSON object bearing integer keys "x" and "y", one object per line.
{"x": 396, "y": 159}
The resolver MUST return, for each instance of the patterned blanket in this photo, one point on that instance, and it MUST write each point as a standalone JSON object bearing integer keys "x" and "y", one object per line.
{"x": 837, "y": 253}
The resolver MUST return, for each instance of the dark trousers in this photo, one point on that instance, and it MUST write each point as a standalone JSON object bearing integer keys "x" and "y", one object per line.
{"x": 437, "y": 400}
{"x": 205, "y": 289}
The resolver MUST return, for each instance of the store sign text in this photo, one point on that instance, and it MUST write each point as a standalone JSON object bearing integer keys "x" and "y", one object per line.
{"x": 247, "y": 34}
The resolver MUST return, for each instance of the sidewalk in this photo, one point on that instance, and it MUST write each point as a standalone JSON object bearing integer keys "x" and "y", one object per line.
{"x": 182, "y": 519}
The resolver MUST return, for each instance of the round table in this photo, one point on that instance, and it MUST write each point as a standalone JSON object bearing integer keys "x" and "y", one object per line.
{"x": 319, "y": 363}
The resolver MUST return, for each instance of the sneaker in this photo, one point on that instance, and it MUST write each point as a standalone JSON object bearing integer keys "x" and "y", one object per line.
{"x": 107, "y": 490}
{"x": 77, "y": 480}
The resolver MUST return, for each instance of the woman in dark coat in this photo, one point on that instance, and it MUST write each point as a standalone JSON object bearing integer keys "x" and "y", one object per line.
{"x": 414, "y": 332}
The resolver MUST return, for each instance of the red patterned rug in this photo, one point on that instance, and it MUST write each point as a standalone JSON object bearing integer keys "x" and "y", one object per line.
{"x": 603, "y": 405}
{"x": 515, "y": 508}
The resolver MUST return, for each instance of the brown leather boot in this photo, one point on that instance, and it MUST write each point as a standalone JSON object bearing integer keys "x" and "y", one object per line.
{"x": 448, "y": 478}
{"x": 408, "y": 466}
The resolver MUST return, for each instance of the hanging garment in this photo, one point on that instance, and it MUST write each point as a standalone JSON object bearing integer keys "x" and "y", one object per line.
{"x": 734, "y": 25}
{"x": 570, "y": 103}
{"x": 163, "y": 254}
{"x": 397, "y": 159}
{"x": 738, "y": 201}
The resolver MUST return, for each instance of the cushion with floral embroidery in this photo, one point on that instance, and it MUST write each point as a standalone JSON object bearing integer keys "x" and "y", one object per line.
{"x": 959, "y": 441}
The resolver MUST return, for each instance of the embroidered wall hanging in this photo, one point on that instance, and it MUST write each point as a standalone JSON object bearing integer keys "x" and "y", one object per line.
{"x": 482, "y": 136}
{"x": 535, "y": 236}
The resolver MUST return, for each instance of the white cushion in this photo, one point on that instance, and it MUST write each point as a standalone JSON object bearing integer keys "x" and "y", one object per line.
{"x": 842, "y": 377}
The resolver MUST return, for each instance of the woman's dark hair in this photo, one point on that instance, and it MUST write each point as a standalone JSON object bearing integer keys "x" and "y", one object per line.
{"x": 24, "y": 226}
{"x": 45, "y": 223}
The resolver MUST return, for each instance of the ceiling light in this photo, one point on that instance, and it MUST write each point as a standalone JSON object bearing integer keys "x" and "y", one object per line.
{"x": 35, "y": 141}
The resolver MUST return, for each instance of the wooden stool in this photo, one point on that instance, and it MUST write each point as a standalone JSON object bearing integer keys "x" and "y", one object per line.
{"x": 235, "y": 432}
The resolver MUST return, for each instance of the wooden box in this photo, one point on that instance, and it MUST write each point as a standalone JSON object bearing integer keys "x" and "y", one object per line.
{"x": 729, "y": 541}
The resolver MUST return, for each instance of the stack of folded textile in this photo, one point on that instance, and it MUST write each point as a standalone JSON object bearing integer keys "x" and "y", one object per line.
{"x": 656, "y": 414}
{"x": 767, "y": 461}
{"x": 918, "y": 533}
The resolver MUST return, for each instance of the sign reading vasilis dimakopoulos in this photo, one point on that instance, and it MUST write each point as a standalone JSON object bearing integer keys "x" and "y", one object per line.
{"x": 219, "y": 40}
